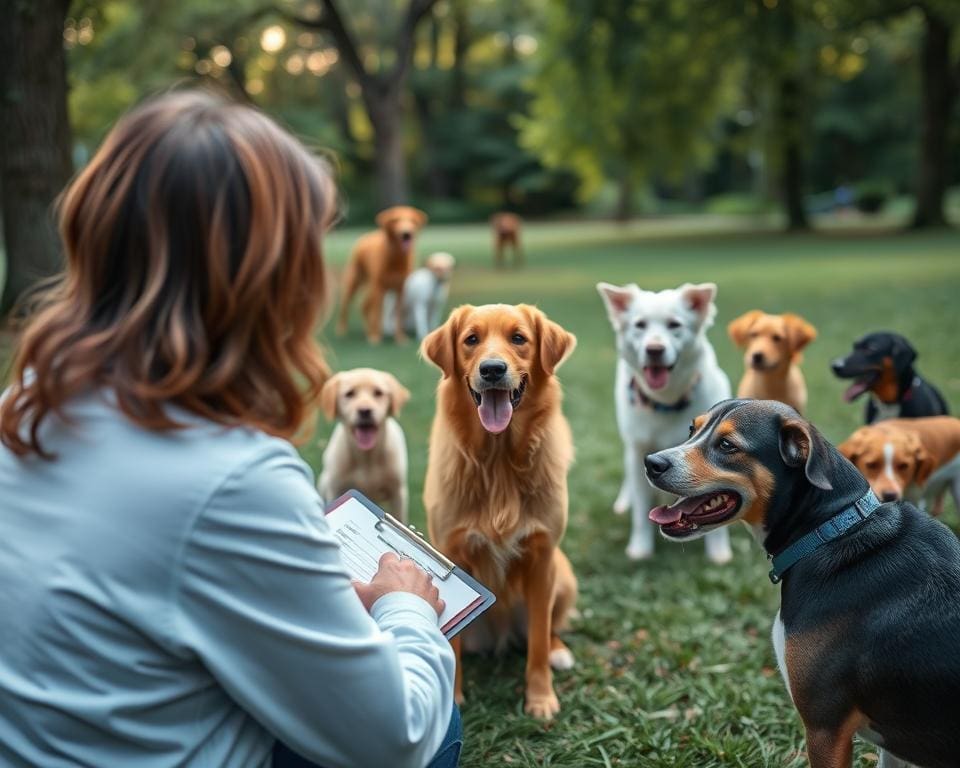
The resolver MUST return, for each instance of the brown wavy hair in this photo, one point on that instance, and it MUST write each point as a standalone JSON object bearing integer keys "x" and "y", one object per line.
{"x": 194, "y": 276}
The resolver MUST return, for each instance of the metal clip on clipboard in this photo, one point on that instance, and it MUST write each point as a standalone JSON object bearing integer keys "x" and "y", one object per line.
{"x": 389, "y": 524}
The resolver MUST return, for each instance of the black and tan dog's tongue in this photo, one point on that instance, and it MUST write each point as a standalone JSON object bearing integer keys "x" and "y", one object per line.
{"x": 495, "y": 410}
{"x": 855, "y": 390}
{"x": 664, "y": 515}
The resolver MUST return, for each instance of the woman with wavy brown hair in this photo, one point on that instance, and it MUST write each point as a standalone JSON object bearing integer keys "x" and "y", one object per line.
{"x": 170, "y": 592}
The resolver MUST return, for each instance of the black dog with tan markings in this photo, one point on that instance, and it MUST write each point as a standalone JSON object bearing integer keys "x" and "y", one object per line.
{"x": 867, "y": 633}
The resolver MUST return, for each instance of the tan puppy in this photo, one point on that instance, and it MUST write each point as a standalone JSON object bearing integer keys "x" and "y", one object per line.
{"x": 382, "y": 260}
{"x": 496, "y": 485}
{"x": 915, "y": 459}
{"x": 772, "y": 356}
{"x": 367, "y": 450}
{"x": 506, "y": 234}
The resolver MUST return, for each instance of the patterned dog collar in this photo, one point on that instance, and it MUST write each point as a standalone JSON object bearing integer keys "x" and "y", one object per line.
{"x": 639, "y": 398}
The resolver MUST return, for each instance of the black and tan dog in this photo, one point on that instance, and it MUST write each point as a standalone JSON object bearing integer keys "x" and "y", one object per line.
{"x": 866, "y": 635}
{"x": 882, "y": 364}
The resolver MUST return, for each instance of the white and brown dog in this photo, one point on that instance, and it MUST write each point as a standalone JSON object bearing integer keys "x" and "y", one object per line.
{"x": 367, "y": 450}
{"x": 425, "y": 295}
{"x": 667, "y": 372}
{"x": 913, "y": 459}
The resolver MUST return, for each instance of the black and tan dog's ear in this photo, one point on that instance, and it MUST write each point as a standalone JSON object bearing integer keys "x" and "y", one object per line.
{"x": 440, "y": 345}
{"x": 556, "y": 343}
{"x": 926, "y": 463}
{"x": 617, "y": 299}
{"x": 739, "y": 329}
{"x": 399, "y": 394}
{"x": 902, "y": 352}
{"x": 328, "y": 397}
{"x": 853, "y": 446}
{"x": 802, "y": 445}
{"x": 799, "y": 331}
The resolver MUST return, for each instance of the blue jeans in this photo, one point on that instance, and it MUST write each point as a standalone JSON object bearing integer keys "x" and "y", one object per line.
{"x": 448, "y": 756}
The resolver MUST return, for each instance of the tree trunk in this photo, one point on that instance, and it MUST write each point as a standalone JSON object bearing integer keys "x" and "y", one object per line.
{"x": 390, "y": 163}
{"x": 34, "y": 140}
{"x": 937, "y": 95}
{"x": 791, "y": 177}
{"x": 624, "y": 210}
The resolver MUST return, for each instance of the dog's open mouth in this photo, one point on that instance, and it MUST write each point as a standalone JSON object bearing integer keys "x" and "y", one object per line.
{"x": 657, "y": 376}
{"x": 686, "y": 515}
{"x": 365, "y": 435}
{"x": 860, "y": 385}
{"x": 496, "y": 406}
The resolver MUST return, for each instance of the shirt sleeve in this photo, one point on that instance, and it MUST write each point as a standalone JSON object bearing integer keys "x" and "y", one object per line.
{"x": 264, "y": 601}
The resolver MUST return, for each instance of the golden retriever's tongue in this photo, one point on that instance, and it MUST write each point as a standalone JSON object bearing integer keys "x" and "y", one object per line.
{"x": 495, "y": 410}
{"x": 656, "y": 376}
{"x": 366, "y": 437}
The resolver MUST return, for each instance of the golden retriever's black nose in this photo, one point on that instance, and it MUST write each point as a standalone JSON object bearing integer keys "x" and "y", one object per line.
{"x": 406, "y": 235}
{"x": 492, "y": 370}
{"x": 890, "y": 496}
{"x": 757, "y": 358}
{"x": 656, "y": 465}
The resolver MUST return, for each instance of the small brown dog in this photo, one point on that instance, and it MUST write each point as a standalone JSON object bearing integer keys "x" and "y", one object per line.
{"x": 367, "y": 449}
{"x": 506, "y": 233}
{"x": 382, "y": 259}
{"x": 772, "y": 356}
{"x": 913, "y": 459}
{"x": 496, "y": 485}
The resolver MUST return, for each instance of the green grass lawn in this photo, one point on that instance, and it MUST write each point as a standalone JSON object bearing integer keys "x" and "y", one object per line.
{"x": 674, "y": 663}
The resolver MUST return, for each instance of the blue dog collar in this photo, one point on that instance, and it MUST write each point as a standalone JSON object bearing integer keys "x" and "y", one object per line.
{"x": 834, "y": 528}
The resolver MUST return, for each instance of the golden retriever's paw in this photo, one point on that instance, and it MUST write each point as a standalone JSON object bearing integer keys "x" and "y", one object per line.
{"x": 374, "y": 341}
{"x": 636, "y": 551}
{"x": 542, "y": 707}
{"x": 562, "y": 659}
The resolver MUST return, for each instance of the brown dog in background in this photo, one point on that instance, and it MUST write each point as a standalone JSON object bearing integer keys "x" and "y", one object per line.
{"x": 496, "y": 484}
{"x": 381, "y": 259}
{"x": 772, "y": 346}
{"x": 506, "y": 233}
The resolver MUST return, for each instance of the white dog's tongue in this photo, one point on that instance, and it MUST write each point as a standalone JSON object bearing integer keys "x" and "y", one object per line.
{"x": 656, "y": 376}
{"x": 366, "y": 437}
{"x": 495, "y": 410}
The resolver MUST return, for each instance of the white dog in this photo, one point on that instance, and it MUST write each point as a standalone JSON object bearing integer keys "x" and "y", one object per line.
{"x": 367, "y": 450}
{"x": 667, "y": 374}
{"x": 424, "y": 296}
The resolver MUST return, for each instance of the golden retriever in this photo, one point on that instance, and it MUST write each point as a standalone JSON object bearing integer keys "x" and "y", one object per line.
{"x": 367, "y": 449}
{"x": 772, "y": 345}
{"x": 383, "y": 259}
{"x": 496, "y": 484}
{"x": 506, "y": 234}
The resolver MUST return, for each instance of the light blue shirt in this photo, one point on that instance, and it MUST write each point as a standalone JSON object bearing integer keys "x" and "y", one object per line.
{"x": 177, "y": 599}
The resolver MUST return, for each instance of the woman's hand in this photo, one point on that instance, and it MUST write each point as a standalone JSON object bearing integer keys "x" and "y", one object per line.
{"x": 396, "y": 575}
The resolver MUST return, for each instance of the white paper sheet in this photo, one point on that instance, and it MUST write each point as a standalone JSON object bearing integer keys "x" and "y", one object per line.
{"x": 362, "y": 545}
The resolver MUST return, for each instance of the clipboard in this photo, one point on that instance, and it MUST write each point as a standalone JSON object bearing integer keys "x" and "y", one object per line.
{"x": 387, "y": 533}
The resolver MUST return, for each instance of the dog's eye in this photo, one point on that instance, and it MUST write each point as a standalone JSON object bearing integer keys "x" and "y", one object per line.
{"x": 777, "y": 338}
{"x": 518, "y": 338}
{"x": 873, "y": 466}
{"x": 692, "y": 430}
{"x": 350, "y": 394}
{"x": 726, "y": 446}
{"x": 641, "y": 324}
{"x": 472, "y": 340}
{"x": 754, "y": 334}
{"x": 674, "y": 325}
{"x": 903, "y": 467}
{"x": 378, "y": 393}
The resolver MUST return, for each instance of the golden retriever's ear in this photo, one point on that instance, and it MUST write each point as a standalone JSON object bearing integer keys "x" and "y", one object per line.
{"x": 799, "y": 331}
{"x": 556, "y": 343}
{"x": 440, "y": 345}
{"x": 420, "y": 216}
{"x": 739, "y": 328}
{"x": 385, "y": 217}
{"x": 853, "y": 446}
{"x": 399, "y": 394}
{"x": 617, "y": 299}
{"x": 925, "y": 461}
{"x": 328, "y": 397}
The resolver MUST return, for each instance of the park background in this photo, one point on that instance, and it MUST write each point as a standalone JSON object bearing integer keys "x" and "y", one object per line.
{"x": 802, "y": 154}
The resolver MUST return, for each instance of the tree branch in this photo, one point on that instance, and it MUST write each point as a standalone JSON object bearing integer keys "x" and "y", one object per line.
{"x": 406, "y": 36}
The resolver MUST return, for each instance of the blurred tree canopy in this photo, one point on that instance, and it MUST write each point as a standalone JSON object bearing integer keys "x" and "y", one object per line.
{"x": 540, "y": 106}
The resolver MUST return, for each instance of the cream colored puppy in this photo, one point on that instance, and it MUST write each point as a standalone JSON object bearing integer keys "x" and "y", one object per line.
{"x": 367, "y": 450}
